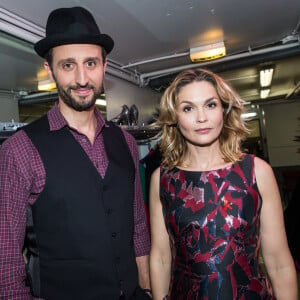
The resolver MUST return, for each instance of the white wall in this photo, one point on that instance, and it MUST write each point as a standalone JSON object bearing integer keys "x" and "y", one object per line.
{"x": 8, "y": 107}
{"x": 282, "y": 125}
{"x": 119, "y": 92}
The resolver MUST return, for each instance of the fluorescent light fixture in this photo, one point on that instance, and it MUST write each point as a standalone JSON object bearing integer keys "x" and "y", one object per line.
{"x": 46, "y": 85}
{"x": 101, "y": 102}
{"x": 249, "y": 115}
{"x": 264, "y": 93}
{"x": 208, "y": 52}
{"x": 265, "y": 76}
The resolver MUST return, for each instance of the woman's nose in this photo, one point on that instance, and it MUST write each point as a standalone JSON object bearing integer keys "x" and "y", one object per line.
{"x": 201, "y": 117}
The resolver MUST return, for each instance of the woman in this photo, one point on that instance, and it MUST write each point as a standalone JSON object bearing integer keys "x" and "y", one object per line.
{"x": 211, "y": 206}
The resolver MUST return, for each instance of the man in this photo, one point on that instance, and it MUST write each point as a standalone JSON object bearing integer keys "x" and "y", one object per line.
{"x": 77, "y": 177}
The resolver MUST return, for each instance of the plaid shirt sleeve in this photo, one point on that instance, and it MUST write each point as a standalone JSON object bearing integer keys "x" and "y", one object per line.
{"x": 141, "y": 233}
{"x": 14, "y": 194}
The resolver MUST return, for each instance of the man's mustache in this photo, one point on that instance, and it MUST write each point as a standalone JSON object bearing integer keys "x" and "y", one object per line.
{"x": 78, "y": 86}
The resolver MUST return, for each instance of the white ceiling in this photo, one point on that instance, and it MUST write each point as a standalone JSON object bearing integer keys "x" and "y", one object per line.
{"x": 153, "y": 37}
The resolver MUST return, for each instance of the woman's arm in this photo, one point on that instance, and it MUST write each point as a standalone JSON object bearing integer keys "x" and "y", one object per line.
{"x": 160, "y": 254}
{"x": 276, "y": 254}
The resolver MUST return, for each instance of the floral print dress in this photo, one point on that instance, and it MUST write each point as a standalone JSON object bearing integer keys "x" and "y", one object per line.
{"x": 213, "y": 221}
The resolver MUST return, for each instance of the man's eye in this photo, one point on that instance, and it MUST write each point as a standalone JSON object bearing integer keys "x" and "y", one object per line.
{"x": 91, "y": 63}
{"x": 67, "y": 66}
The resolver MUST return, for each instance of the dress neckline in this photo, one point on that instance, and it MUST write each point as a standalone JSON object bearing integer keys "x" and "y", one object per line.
{"x": 226, "y": 167}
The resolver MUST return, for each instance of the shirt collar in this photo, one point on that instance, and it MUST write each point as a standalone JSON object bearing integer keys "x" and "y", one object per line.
{"x": 57, "y": 120}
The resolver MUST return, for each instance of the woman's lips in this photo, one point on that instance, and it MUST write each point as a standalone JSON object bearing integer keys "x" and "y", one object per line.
{"x": 203, "y": 130}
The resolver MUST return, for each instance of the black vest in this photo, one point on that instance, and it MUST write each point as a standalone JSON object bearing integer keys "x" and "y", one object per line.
{"x": 81, "y": 239}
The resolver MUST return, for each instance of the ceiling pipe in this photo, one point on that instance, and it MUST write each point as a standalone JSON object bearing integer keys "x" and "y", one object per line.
{"x": 155, "y": 59}
{"x": 20, "y": 27}
{"x": 252, "y": 55}
{"x": 116, "y": 71}
{"x": 290, "y": 94}
{"x": 38, "y": 98}
{"x": 257, "y": 59}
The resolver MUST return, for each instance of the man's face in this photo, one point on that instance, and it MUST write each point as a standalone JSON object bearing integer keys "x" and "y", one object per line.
{"x": 78, "y": 71}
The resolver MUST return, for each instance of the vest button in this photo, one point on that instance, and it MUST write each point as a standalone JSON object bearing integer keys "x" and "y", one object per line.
{"x": 114, "y": 234}
{"x": 109, "y": 211}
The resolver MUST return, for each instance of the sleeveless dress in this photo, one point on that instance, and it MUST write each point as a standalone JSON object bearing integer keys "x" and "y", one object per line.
{"x": 212, "y": 218}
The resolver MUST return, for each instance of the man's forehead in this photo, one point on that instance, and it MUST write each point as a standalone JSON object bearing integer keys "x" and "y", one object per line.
{"x": 78, "y": 51}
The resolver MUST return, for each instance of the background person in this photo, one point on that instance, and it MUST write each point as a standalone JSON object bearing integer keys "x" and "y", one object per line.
{"x": 78, "y": 178}
{"x": 211, "y": 206}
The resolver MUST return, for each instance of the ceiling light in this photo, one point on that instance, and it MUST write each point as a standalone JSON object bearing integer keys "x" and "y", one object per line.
{"x": 101, "y": 102}
{"x": 46, "y": 85}
{"x": 264, "y": 93}
{"x": 266, "y": 77}
{"x": 249, "y": 115}
{"x": 207, "y": 52}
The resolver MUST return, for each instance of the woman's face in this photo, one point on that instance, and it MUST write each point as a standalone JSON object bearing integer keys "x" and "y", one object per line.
{"x": 200, "y": 113}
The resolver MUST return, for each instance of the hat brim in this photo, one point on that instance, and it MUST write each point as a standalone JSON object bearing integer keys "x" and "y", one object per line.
{"x": 44, "y": 45}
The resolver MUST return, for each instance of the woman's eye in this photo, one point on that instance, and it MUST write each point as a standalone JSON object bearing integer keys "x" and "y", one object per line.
{"x": 212, "y": 105}
{"x": 187, "y": 108}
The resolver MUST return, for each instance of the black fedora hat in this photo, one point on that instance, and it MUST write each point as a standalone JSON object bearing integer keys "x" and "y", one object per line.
{"x": 73, "y": 25}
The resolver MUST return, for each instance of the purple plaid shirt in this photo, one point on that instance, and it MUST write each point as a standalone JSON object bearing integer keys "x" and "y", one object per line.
{"x": 22, "y": 178}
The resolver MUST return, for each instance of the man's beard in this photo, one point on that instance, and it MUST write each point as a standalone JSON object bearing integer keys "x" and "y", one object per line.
{"x": 81, "y": 105}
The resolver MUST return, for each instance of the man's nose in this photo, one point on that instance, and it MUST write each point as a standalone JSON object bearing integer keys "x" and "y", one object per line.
{"x": 81, "y": 76}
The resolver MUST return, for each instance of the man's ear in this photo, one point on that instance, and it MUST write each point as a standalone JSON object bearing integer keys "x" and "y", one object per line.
{"x": 104, "y": 66}
{"x": 49, "y": 70}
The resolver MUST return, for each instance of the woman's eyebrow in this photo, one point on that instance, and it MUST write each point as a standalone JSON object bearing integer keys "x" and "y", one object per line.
{"x": 191, "y": 102}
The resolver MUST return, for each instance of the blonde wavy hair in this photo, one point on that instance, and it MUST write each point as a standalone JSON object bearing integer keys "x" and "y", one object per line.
{"x": 173, "y": 145}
